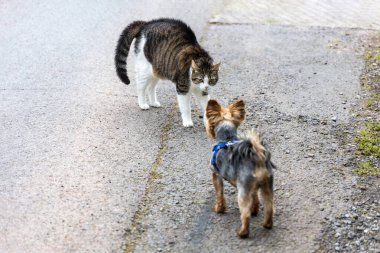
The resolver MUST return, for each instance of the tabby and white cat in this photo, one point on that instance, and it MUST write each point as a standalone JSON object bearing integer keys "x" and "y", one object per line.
{"x": 167, "y": 49}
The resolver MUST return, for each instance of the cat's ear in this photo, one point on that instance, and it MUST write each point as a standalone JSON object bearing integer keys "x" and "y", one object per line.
{"x": 237, "y": 111}
{"x": 194, "y": 65}
{"x": 215, "y": 67}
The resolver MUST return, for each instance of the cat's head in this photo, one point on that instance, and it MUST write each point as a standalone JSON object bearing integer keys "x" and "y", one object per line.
{"x": 204, "y": 74}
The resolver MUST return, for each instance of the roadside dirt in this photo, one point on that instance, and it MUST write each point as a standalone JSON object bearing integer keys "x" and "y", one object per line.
{"x": 356, "y": 229}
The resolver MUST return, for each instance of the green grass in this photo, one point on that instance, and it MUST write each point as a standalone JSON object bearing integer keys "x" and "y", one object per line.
{"x": 154, "y": 174}
{"x": 367, "y": 169}
{"x": 370, "y": 103}
{"x": 369, "y": 140}
{"x": 373, "y": 56}
{"x": 270, "y": 21}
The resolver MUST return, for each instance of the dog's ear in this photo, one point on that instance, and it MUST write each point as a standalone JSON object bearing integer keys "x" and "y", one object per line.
{"x": 214, "y": 116}
{"x": 213, "y": 109}
{"x": 237, "y": 111}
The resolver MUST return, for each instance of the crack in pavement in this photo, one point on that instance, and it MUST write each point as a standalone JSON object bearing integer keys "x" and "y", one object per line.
{"x": 134, "y": 234}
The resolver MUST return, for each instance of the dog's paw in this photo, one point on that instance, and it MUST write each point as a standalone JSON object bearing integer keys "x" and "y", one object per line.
{"x": 219, "y": 208}
{"x": 243, "y": 233}
{"x": 267, "y": 225}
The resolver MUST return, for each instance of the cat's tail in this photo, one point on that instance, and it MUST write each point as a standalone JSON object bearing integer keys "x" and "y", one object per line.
{"x": 122, "y": 48}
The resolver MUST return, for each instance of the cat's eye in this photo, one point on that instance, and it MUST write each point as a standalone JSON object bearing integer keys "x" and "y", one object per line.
{"x": 197, "y": 80}
{"x": 213, "y": 80}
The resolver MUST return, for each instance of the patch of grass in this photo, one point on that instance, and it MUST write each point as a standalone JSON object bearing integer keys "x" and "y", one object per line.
{"x": 369, "y": 139}
{"x": 154, "y": 174}
{"x": 370, "y": 103}
{"x": 367, "y": 169}
{"x": 270, "y": 21}
{"x": 373, "y": 56}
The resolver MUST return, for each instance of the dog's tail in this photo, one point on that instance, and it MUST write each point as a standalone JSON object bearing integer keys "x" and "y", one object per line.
{"x": 122, "y": 48}
{"x": 261, "y": 174}
{"x": 252, "y": 149}
{"x": 257, "y": 145}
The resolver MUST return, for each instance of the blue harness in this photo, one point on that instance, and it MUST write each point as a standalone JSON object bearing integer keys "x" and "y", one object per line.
{"x": 215, "y": 150}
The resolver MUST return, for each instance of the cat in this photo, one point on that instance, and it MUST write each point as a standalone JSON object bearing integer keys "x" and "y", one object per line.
{"x": 167, "y": 49}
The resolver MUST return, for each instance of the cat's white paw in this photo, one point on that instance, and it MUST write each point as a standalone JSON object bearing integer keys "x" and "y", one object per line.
{"x": 188, "y": 123}
{"x": 155, "y": 104}
{"x": 144, "y": 106}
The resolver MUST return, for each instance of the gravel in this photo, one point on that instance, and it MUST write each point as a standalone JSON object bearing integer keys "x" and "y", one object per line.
{"x": 357, "y": 228}
{"x": 355, "y": 231}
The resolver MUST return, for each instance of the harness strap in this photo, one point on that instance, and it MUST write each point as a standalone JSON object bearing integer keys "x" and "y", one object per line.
{"x": 223, "y": 145}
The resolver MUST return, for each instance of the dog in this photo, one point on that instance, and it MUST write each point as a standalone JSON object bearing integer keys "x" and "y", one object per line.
{"x": 244, "y": 162}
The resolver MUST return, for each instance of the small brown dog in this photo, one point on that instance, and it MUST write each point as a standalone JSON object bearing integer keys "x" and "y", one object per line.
{"x": 245, "y": 163}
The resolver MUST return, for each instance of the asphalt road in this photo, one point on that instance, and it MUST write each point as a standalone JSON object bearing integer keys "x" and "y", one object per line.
{"x": 83, "y": 169}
